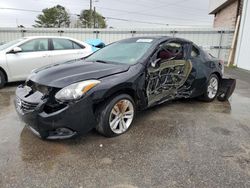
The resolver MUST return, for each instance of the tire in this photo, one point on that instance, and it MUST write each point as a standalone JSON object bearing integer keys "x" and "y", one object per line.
{"x": 2, "y": 79}
{"x": 106, "y": 115}
{"x": 211, "y": 89}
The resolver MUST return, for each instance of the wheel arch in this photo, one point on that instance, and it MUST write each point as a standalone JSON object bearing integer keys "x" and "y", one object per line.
{"x": 218, "y": 75}
{"x": 129, "y": 91}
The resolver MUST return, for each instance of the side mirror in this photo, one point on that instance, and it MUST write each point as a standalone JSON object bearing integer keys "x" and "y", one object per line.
{"x": 155, "y": 62}
{"x": 16, "y": 50}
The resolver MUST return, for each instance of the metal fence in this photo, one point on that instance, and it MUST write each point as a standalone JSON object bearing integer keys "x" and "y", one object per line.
{"x": 217, "y": 42}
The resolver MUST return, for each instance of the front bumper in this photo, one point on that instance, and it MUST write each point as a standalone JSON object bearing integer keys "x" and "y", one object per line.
{"x": 75, "y": 117}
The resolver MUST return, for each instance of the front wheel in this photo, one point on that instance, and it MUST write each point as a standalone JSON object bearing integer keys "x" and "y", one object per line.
{"x": 2, "y": 79}
{"x": 116, "y": 116}
{"x": 211, "y": 89}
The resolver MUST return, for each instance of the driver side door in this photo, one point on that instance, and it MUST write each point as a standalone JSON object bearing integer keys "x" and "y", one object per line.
{"x": 168, "y": 71}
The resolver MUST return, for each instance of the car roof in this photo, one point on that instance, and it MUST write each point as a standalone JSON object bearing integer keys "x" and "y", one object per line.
{"x": 156, "y": 39}
{"x": 34, "y": 37}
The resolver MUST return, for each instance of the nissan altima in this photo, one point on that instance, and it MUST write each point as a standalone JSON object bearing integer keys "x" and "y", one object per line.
{"x": 105, "y": 90}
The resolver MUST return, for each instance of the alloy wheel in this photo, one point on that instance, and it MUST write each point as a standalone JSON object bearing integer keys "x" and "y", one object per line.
{"x": 212, "y": 87}
{"x": 121, "y": 116}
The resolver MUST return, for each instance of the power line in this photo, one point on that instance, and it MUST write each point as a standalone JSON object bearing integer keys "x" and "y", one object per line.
{"x": 134, "y": 3}
{"x": 155, "y": 23}
{"x": 27, "y": 10}
{"x": 146, "y": 10}
{"x": 151, "y": 15}
{"x": 138, "y": 21}
{"x": 131, "y": 12}
{"x": 121, "y": 19}
{"x": 113, "y": 18}
{"x": 19, "y": 9}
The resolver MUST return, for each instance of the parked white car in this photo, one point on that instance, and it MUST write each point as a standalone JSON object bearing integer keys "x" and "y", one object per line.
{"x": 18, "y": 58}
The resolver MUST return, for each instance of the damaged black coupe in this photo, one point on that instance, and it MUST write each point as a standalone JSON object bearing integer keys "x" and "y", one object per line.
{"x": 105, "y": 90}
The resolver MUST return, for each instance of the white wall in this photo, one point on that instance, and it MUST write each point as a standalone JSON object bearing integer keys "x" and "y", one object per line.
{"x": 243, "y": 48}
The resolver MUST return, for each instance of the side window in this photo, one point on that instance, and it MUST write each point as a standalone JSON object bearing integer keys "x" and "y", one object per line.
{"x": 35, "y": 45}
{"x": 62, "y": 44}
{"x": 65, "y": 44}
{"x": 195, "y": 52}
{"x": 77, "y": 46}
{"x": 171, "y": 51}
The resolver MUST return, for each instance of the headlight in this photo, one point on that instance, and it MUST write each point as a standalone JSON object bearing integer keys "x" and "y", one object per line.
{"x": 76, "y": 91}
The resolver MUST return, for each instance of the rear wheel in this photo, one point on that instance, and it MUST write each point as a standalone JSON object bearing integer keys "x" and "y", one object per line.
{"x": 116, "y": 116}
{"x": 2, "y": 79}
{"x": 212, "y": 88}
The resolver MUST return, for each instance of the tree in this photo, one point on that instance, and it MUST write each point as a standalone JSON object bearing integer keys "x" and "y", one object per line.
{"x": 88, "y": 22}
{"x": 56, "y": 16}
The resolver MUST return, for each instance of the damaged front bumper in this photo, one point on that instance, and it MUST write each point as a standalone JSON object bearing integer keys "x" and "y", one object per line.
{"x": 64, "y": 121}
{"x": 227, "y": 87}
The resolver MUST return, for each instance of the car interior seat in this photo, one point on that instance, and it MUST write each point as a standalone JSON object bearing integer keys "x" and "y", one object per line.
{"x": 163, "y": 54}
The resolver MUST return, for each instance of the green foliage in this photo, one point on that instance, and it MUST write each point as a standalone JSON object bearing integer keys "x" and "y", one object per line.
{"x": 53, "y": 17}
{"x": 87, "y": 20}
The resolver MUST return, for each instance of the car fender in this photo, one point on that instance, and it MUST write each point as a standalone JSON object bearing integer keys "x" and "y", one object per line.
{"x": 131, "y": 82}
{"x": 4, "y": 66}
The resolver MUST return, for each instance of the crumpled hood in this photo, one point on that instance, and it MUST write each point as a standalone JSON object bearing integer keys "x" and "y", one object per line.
{"x": 62, "y": 75}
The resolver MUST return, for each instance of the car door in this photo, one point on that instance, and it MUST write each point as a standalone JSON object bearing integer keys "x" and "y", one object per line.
{"x": 66, "y": 49}
{"x": 168, "y": 71}
{"x": 199, "y": 73}
{"x": 34, "y": 54}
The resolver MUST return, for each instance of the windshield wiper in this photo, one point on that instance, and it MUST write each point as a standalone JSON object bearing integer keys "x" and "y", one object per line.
{"x": 101, "y": 61}
{"x": 107, "y": 62}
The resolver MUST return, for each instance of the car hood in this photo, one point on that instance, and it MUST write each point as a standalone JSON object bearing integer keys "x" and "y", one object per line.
{"x": 62, "y": 75}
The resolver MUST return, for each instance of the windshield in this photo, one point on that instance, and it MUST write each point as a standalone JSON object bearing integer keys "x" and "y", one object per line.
{"x": 9, "y": 44}
{"x": 121, "y": 52}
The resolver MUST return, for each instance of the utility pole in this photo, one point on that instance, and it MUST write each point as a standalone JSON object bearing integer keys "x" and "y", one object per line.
{"x": 90, "y": 14}
{"x": 94, "y": 18}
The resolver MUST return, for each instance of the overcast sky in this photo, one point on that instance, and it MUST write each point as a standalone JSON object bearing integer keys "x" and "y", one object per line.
{"x": 172, "y": 12}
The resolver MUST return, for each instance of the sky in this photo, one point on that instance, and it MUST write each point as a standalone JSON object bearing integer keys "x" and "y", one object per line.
{"x": 153, "y": 13}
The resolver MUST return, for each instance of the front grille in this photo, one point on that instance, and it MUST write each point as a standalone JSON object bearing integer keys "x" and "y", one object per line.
{"x": 25, "y": 106}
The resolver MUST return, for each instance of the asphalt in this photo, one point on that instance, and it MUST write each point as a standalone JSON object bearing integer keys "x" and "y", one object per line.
{"x": 185, "y": 143}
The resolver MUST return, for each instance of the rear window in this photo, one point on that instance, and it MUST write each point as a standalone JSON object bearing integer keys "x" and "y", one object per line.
{"x": 65, "y": 44}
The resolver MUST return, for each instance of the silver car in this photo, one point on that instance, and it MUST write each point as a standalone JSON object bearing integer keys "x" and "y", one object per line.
{"x": 18, "y": 58}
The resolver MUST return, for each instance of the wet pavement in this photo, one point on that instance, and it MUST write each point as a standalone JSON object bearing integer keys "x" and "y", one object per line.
{"x": 184, "y": 143}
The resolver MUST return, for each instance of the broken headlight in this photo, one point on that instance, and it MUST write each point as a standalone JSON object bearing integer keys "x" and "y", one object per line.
{"x": 76, "y": 91}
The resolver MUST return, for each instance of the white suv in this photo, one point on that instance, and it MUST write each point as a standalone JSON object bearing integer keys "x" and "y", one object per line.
{"x": 18, "y": 58}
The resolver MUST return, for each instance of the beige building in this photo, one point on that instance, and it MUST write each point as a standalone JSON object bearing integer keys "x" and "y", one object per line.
{"x": 225, "y": 12}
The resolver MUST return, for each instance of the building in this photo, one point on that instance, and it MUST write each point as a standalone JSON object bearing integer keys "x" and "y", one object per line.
{"x": 225, "y": 12}
{"x": 242, "y": 58}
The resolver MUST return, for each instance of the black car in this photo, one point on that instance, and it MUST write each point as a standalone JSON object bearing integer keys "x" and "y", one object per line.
{"x": 104, "y": 90}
